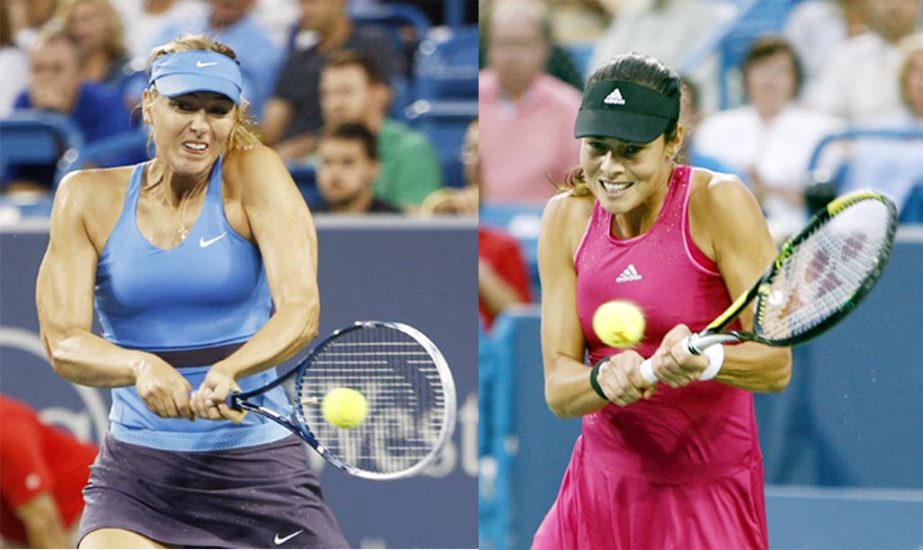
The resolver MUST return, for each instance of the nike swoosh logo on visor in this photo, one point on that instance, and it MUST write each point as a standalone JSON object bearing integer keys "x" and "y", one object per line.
{"x": 201, "y": 64}
{"x": 205, "y": 244}
{"x": 282, "y": 540}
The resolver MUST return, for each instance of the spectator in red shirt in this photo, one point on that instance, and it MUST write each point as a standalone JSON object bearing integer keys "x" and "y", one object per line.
{"x": 503, "y": 280}
{"x": 42, "y": 473}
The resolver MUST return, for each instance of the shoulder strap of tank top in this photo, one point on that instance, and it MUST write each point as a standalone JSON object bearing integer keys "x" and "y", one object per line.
{"x": 599, "y": 221}
{"x": 676, "y": 193}
{"x": 214, "y": 181}
{"x": 134, "y": 190}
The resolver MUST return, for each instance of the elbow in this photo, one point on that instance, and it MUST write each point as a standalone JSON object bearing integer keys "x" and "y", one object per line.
{"x": 310, "y": 321}
{"x": 59, "y": 356}
{"x": 556, "y": 404}
{"x": 780, "y": 376}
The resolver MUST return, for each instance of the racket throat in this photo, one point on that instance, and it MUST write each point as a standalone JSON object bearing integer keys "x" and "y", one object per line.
{"x": 697, "y": 343}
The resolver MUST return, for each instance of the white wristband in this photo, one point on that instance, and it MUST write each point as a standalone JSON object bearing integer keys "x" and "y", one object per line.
{"x": 715, "y": 356}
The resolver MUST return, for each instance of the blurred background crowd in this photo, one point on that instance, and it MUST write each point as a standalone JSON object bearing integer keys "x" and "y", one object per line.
{"x": 368, "y": 101}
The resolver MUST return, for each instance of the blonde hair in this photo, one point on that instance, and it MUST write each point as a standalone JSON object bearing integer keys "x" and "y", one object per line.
{"x": 114, "y": 43}
{"x": 243, "y": 135}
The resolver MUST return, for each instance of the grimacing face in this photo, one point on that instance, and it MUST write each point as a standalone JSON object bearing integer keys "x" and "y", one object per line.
{"x": 345, "y": 172}
{"x": 624, "y": 175}
{"x": 190, "y": 130}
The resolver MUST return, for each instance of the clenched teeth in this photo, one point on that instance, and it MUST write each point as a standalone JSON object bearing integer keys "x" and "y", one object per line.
{"x": 614, "y": 187}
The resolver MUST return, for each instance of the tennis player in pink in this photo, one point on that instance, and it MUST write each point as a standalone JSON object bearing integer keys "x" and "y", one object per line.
{"x": 674, "y": 465}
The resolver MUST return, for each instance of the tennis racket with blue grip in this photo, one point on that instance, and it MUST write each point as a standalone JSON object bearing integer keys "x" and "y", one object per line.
{"x": 406, "y": 382}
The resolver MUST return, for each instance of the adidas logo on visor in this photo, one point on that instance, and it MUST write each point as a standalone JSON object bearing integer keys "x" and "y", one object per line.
{"x": 614, "y": 98}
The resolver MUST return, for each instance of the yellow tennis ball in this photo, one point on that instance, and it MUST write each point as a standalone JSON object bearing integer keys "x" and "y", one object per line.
{"x": 619, "y": 324}
{"x": 344, "y": 407}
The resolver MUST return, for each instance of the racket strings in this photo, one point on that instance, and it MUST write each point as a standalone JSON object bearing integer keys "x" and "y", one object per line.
{"x": 407, "y": 402}
{"x": 825, "y": 271}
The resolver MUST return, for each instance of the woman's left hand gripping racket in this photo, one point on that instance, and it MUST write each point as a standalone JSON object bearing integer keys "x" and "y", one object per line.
{"x": 404, "y": 379}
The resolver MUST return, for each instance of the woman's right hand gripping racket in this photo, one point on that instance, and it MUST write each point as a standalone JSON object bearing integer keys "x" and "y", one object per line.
{"x": 406, "y": 385}
{"x": 820, "y": 275}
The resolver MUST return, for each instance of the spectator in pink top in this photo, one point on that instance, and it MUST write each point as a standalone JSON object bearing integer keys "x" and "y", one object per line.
{"x": 525, "y": 115}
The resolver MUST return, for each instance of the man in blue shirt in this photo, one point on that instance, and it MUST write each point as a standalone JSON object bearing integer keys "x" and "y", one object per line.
{"x": 56, "y": 87}
{"x": 230, "y": 22}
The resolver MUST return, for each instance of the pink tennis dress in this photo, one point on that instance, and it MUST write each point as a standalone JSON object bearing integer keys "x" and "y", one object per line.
{"x": 682, "y": 470}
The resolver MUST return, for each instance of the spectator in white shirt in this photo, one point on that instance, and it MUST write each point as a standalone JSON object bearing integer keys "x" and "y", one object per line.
{"x": 894, "y": 166}
{"x": 771, "y": 138}
{"x": 818, "y": 28}
{"x": 861, "y": 80}
{"x": 669, "y": 30}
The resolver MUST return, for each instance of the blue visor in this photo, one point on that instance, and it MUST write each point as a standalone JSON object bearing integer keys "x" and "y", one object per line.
{"x": 181, "y": 73}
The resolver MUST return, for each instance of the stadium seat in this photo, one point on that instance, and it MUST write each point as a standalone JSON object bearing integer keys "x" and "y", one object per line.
{"x": 38, "y": 137}
{"x": 445, "y": 124}
{"x": 305, "y": 176}
{"x": 99, "y": 151}
{"x": 912, "y": 209}
{"x": 885, "y": 159}
{"x": 446, "y": 65}
{"x": 406, "y": 24}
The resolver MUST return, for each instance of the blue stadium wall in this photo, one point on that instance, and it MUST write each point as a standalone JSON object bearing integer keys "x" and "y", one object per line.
{"x": 420, "y": 273}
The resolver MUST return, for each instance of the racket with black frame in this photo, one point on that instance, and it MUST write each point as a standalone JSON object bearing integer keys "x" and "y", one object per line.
{"x": 819, "y": 277}
{"x": 405, "y": 380}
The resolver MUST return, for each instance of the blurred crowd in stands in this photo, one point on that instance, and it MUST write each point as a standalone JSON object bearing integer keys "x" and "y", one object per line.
{"x": 335, "y": 86}
{"x": 802, "y": 99}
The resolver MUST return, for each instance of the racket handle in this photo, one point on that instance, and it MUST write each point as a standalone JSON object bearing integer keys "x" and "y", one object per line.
{"x": 229, "y": 400}
{"x": 647, "y": 372}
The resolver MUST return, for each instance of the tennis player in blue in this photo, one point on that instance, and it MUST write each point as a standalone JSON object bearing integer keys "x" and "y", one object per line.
{"x": 201, "y": 267}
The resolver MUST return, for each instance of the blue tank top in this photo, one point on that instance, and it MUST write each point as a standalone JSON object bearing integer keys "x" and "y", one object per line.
{"x": 210, "y": 291}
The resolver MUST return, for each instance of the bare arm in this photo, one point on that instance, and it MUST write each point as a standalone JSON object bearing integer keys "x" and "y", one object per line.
{"x": 64, "y": 297}
{"x": 728, "y": 220}
{"x": 284, "y": 231}
{"x": 567, "y": 380}
{"x": 64, "y": 300}
{"x": 42, "y": 521}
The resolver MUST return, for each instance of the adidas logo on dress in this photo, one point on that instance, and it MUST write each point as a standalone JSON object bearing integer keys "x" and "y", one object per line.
{"x": 614, "y": 98}
{"x": 630, "y": 274}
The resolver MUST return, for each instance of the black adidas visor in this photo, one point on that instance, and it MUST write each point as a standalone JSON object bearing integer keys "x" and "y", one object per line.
{"x": 625, "y": 111}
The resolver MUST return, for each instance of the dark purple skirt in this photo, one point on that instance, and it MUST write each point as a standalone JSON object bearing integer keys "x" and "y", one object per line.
{"x": 263, "y": 496}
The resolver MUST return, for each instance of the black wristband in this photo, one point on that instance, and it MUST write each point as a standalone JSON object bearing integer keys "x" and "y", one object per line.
{"x": 594, "y": 372}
